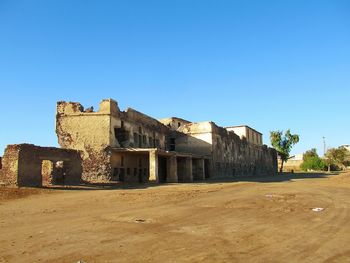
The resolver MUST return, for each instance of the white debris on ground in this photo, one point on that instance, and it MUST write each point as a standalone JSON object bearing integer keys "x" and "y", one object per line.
{"x": 318, "y": 209}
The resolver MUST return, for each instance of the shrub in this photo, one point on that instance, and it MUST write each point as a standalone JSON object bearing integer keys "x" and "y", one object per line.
{"x": 311, "y": 161}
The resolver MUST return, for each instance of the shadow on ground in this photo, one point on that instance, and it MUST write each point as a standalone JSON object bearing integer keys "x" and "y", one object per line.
{"x": 280, "y": 177}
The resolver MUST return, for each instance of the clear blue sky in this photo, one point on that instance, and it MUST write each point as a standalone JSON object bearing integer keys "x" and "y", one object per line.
{"x": 272, "y": 65}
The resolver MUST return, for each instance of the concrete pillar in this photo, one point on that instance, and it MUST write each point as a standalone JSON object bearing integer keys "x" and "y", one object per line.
{"x": 172, "y": 169}
{"x": 188, "y": 176}
{"x": 153, "y": 166}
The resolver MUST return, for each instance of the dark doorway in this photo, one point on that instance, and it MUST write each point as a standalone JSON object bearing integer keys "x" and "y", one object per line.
{"x": 172, "y": 144}
{"x": 140, "y": 176}
{"x": 115, "y": 174}
{"x": 181, "y": 169}
{"x": 121, "y": 174}
{"x": 162, "y": 169}
{"x": 206, "y": 168}
{"x": 60, "y": 172}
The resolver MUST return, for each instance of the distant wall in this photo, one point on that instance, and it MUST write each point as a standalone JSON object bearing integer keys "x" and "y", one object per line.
{"x": 291, "y": 165}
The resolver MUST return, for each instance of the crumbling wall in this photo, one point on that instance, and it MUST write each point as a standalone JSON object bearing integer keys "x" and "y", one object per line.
{"x": 10, "y": 165}
{"x": 89, "y": 133}
{"x": 235, "y": 156}
{"x": 23, "y": 164}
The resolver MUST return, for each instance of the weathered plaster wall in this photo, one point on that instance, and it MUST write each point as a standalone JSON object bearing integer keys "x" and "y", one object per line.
{"x": 88, "y": 132}
{"x": 195, "y": 138}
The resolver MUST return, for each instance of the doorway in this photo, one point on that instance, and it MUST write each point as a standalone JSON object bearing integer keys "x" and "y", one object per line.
{"x": 162, "y": 169}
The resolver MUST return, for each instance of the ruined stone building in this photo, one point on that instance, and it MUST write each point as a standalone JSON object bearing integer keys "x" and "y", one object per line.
{"x": 110, "y": 145}
{"x": 130, "y": 146}
{"x": 30, "y": 165}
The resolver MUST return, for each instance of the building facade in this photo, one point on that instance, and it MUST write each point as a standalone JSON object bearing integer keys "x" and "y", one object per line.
{"x": 130, "y": 146}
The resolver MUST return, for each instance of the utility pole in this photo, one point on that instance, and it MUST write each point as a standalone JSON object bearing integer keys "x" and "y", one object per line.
{"x": 324, "y": 146}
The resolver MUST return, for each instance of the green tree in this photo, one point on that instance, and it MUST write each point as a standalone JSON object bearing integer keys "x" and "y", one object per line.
{"x": 283, "y": 144}
{"x": 337, "y": 156}
{"x": 311, "y": 161}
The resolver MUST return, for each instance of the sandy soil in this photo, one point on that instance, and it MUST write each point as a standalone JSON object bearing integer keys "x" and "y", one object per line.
{"x": 261, "y": 220}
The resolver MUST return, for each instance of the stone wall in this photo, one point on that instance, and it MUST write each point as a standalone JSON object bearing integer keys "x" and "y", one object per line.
{"x": 234, "y": 156}
{"x": 23, "y": 165}
{"x": 10, "y": 165}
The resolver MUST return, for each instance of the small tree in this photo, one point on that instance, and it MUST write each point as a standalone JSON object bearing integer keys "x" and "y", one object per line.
{"x": 311, "y": 161}
{"x": 283, "y": 144}
{"x": 337, "y": 156}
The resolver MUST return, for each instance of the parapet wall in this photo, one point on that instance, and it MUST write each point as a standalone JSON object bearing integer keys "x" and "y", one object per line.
{"x": 107, "y": 106}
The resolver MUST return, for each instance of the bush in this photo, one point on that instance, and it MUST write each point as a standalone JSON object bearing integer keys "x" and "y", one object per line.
{"x": 311, "y": 161}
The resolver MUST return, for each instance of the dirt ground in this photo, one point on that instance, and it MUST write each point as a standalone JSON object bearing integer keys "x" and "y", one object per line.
{"x": 260, "y": 220}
